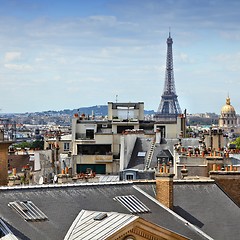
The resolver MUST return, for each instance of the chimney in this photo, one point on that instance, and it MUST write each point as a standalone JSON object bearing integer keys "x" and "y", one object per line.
{"x": 164, "y": 189}
{"x": 158, "y": 136}
{"x": 4, "y": 162}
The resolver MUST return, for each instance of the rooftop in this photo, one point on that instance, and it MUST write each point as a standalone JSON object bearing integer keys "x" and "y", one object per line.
{"x": 62, "y": 204}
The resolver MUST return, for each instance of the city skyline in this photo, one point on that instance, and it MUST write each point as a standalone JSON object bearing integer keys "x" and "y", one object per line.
{"x": 59, "y": 55}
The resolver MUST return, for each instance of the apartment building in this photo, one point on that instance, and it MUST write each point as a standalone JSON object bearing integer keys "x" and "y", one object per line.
{"x": 99, "y": 145}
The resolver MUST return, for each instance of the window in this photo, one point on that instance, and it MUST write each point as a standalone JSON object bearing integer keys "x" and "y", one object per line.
{"x": 28, "y": 211}
{"x": 90, "y": 133}
{"x": 94, "y": 149}
{"x": 66, "y": 146}
{"x": 162, "y": 130}
{"x": 121, "y": 129}
{"x": 141, "y": 154}
{"x": 129, "y": 176}
{"x": 132, "y": 203}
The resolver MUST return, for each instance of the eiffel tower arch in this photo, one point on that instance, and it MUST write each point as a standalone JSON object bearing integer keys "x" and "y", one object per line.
{"x": 169, "y": 107}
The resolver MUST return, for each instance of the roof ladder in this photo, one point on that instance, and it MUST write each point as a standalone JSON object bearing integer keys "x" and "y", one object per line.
{"x": 150, "y": 155}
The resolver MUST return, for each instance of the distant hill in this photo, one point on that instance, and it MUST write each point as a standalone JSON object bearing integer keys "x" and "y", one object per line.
{"x": 98, "y": 110}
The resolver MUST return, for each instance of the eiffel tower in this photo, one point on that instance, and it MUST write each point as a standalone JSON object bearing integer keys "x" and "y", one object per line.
{"x": 169, "y": 107}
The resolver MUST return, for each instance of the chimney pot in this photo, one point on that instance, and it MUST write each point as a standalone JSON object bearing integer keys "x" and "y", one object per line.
{"x": 214, "y": 167}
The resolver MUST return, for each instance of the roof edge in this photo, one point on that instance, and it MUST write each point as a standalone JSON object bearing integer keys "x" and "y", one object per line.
{"x": 4, "y": 188}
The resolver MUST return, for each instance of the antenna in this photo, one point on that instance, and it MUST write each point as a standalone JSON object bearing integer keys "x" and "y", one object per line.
{"x": 116, "y": 98}
{"x": 40, "y": 180}
{"x": 55, "y": 178}
{"x": 169, "y": 31}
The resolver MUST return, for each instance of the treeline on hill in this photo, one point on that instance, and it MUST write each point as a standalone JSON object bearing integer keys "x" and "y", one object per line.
{"x": 37, "y": 144}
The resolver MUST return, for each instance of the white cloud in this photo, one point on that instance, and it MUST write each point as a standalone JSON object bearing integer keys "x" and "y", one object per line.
{"x": 18, "y": 67}
{"x": 73, "y": 89}
{"x": 184, "y": 58}
{"x": 229, "y": 61}
{"x": 12, "y": 56}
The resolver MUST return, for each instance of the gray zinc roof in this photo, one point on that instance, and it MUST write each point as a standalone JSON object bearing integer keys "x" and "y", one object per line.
{"x": 62, "y": 204}
{"x": 206, "y": 206}
{"x": 138, "y": 162}
{"x": 86, "y": 228}
{"x": 209, "y": 208}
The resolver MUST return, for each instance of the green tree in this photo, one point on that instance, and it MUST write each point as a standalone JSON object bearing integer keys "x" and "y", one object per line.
{"x": 237, "y": 142}
{"x": 23, "y": 145}
{"x": 35, "y": 144}
{"x": 38, "y": 144}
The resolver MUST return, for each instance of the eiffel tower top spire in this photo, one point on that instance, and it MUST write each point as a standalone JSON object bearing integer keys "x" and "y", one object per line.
{"x": 169, "y": 106}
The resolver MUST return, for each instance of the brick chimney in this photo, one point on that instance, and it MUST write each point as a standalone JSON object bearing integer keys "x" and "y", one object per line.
{"x": 164, "y": 189}
{"x": 4, "y": 162}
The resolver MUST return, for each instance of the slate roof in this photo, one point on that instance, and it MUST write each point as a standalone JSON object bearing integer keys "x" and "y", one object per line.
{"x": 62, "y": 204}
{"x": 205, "y": 205}
{"x": 137, "y": 162}
{"x": 209, "y": 208}
{"x": 143, "y": 145}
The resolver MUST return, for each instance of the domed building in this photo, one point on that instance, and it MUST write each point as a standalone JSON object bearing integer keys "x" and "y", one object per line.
{"x": 228, "y": 117}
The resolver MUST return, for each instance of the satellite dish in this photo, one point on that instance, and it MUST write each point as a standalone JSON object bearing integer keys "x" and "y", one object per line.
{"x": 55, "y": 178}
{"x": 40, "y": 180}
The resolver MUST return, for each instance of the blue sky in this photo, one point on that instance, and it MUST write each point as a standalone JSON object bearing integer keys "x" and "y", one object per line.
{"x": 57, "y": 54}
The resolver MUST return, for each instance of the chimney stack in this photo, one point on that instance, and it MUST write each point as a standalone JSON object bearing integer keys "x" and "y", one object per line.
{"x": 164, "y": 189}
{"x": 158, "y": 136}
{"x": 4, "y": 162}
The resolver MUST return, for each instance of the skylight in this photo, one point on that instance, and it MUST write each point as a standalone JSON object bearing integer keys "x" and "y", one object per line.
{"x": 132, "y": 203}
{"x": 28, "y": 210}
{"x": 141, "y": 154}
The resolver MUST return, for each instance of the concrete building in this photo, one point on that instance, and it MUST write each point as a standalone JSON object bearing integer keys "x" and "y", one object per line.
{"x": 61, "y": 147}
{"x": 106, "y": 145}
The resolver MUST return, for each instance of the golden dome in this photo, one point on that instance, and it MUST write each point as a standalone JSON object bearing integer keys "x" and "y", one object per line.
{"x": 228, "y": 108}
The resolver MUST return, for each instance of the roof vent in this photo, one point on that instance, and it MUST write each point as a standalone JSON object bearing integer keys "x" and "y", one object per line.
{"x": 100, "y": 216}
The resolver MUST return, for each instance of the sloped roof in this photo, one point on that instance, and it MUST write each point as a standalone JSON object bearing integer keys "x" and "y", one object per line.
{"x": 94, "y": 225}
{"x": 86, "y": 228}
{"x": 63, "y": 203}
{"x": 165, "y": 153}
{"x": 136, "y": 161}
{"x": 205, "y": 205}
{"x": 168, "y": 146}
{"x": 209, "y": 208}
